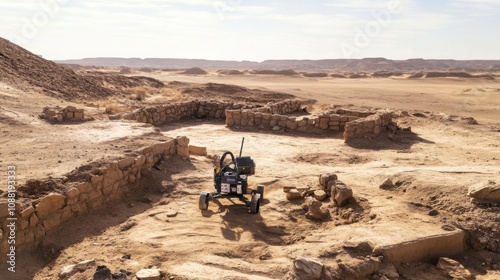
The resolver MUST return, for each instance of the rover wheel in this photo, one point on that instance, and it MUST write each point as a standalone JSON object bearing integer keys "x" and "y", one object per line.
{"x": 255, "y": 204}
{"x": 203, "y": 202}
{"x": 260, "y": 190}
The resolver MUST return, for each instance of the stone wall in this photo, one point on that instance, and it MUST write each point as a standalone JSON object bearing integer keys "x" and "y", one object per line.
{"x": 369, "y": 126}
{"x": 158, "y": 115}
{"x": 354, "y": 123}
{"x": 92, "y": 189}
{"x": 251, "y": 119}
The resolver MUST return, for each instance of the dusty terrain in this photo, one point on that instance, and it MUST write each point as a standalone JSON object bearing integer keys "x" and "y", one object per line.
{"x": 433, "y": 166}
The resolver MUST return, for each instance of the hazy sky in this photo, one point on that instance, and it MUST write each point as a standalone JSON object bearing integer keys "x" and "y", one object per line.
{"x": 254, "y": 29}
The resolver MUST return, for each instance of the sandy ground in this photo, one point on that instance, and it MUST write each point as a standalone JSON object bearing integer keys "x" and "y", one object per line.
{"x": 435, "y": 165}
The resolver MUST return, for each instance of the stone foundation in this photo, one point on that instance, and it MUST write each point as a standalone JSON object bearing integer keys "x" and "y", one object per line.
{"x": 39, "y": 217}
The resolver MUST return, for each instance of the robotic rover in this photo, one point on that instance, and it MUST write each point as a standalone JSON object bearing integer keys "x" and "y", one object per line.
{"x": 230, "y": 181}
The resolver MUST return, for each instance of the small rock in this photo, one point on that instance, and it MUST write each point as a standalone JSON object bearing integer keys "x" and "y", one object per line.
{"x": 265, "y": 256}
{"x": 148, "y": 274}
{"x": 453, "y": 269}
{"x": 311, "y": 268}
{"x": 433, "y": 213}
{"x": 448, "y": 227}
{"x": 69, "y": 270}
{"x": 276, "y": 128}
{"x": 172, "y": 214}
{"x": 293, "y": 194}
{"x": 102, "y": 273}
{"x": 122, "y": 275}
{"x": 326, "y": 181}
{"x": 387, "y": 184}
{"x": 341, "y": 194}
{"x": 320, "y": 195}
{"x": 287, "y": 189}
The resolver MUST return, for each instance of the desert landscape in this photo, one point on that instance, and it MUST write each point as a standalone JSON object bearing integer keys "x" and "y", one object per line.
{"x": 370, "y": 172}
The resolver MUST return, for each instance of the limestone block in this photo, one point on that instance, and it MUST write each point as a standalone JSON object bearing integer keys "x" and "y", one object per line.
{"x": 52, "y": 221}
{"x": 196, "y": 150}
{"x": 49, "y": 204}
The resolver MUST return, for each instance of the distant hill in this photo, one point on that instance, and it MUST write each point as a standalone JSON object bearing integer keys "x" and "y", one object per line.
{"x": 341, "y": 65}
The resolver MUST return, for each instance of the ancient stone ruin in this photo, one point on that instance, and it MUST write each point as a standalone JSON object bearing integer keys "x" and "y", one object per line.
{"x": 59, "y": 115}
{"x": 273, "y": 116}
{"x": 81, "y": 194}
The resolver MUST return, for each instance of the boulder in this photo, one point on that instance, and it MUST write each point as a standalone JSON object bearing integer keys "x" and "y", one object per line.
{"x": 341, "y": 194}
{"x": 453, "y": 269}
{"x": 311, "y": 269}
{"x": 488, "y": 190}
{"x": 148, "y": 274}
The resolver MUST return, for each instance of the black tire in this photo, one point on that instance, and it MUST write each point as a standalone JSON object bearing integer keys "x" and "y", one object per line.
{"x": 203, "y": 202}
{"x": 260, "y": 190}
{"x": 255, "y": 204}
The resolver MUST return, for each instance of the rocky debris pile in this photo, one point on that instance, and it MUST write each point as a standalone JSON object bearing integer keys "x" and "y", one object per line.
{"x": 59, "y": 115}
{"x": 329, "y": 186}
{"x": 485, "y": 191}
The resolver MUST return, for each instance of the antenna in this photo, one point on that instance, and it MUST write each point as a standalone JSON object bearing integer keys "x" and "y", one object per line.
{"x": 241, "y": 149}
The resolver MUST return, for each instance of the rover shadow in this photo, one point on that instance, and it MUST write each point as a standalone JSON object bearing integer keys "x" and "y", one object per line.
{"x": 236, "y": 220}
